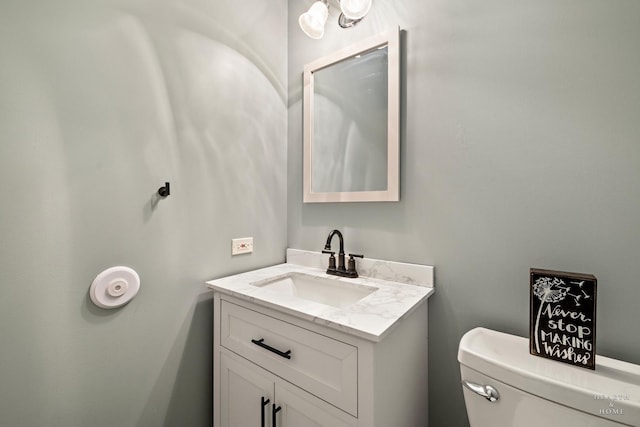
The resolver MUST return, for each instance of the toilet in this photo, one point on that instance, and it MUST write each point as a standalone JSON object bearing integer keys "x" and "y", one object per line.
{"x": 505, "y": 386}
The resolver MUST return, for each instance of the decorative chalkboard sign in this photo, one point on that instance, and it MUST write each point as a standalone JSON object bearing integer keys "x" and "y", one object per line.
{"x": 563, "y": 317}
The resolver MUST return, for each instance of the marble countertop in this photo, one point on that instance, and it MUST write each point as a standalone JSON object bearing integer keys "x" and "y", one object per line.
{"x": 370, "y": 318}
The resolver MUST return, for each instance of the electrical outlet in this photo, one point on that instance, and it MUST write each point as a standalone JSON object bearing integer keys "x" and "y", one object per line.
{"x": 242, "y": 245}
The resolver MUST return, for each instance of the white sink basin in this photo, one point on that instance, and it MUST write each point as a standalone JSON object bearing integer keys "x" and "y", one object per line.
{"x": 336, "y": 293}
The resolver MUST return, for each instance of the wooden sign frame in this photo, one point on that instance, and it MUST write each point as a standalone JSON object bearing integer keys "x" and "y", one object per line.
{"x": 563, "y": 316}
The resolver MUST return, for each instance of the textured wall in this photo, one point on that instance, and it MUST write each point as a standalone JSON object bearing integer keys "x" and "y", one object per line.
{"x": 520, "y": 149}
{"x": 100, "y": 103}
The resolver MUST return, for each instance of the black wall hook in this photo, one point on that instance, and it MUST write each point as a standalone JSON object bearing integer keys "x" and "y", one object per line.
{"x": 164, "y": 191}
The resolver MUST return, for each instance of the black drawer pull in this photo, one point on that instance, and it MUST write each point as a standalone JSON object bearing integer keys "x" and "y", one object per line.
{"x": 260, "y": 342}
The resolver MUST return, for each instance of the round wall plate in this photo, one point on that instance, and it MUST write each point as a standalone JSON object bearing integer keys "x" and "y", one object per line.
{"x": 114, "y": 287}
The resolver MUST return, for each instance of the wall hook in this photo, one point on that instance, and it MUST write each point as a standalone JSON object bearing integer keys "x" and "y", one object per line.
{"x": 164, "y": 191}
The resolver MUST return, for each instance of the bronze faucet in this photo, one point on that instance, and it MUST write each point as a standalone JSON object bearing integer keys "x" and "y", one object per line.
{"x": 340, "y": 270}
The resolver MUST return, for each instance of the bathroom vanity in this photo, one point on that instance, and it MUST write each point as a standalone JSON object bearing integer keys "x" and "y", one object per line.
{"x": 295, "y": 347}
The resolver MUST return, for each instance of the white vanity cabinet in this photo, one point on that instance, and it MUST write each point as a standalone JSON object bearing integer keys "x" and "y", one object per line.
{"x": 315, "y": 375}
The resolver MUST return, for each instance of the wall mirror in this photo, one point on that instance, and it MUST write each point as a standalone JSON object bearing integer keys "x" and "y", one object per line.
{"x": 351, "y": 127}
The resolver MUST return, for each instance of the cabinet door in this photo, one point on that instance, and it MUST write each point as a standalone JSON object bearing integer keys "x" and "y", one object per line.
{"x": 243, "y": 387}
{"x": 301, "y": 409}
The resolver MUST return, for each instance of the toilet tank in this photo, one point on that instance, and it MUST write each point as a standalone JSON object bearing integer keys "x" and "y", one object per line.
{"x": 534, "y": 391}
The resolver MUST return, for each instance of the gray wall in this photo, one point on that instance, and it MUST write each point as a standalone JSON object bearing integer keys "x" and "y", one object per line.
{"x": 520, "y": 148}
{"x": 101, "y": 102}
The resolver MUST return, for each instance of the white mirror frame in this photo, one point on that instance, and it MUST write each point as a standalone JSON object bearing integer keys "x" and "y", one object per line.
{"x": 392, "y": 193}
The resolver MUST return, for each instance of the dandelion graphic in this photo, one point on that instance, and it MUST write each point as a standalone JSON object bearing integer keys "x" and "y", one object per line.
{"x": 547, "y": 290}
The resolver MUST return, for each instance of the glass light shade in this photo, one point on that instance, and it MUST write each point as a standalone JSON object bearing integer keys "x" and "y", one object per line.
{"x": 312, "y": 22}
{"x": 355, "y": 9}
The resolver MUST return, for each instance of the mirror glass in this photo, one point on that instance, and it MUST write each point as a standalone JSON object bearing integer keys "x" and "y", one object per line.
{"x": 351, "y": 113}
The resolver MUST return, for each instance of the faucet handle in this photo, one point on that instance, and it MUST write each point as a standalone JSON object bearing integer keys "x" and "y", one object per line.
{"x": 351, "y": 269}
{"x": 332, "y": 260}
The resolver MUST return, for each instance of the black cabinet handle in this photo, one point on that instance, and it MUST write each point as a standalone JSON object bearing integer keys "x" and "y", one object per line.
{"x": 273, "y": 414}
{"x": 261, "y": 343}
{"x": 263, "y": 402}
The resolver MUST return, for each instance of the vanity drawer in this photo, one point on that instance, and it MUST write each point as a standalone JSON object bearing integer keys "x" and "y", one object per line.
{"x": 318, "y": 364}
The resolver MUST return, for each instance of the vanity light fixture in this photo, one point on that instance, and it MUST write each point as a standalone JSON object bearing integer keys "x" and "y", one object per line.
{"x": 313, "y": 21}
{"x": 355, "y": 9}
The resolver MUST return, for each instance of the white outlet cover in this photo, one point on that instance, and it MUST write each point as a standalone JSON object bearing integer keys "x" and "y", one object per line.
{"x": 243, "y": 245}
